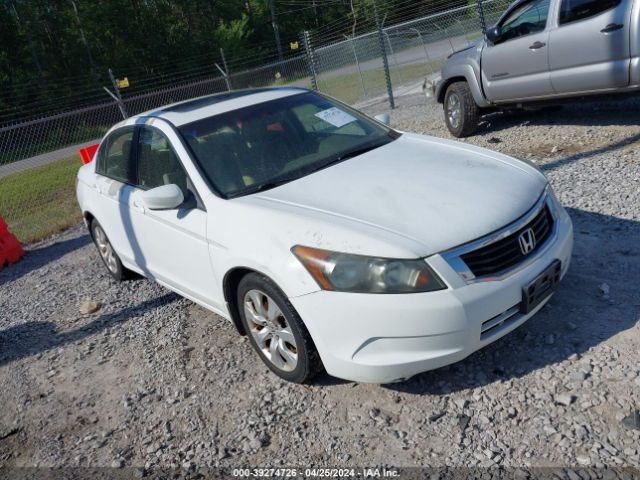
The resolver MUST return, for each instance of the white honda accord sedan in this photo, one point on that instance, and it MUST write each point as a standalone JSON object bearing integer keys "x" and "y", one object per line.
{"x": 329, "y": 239}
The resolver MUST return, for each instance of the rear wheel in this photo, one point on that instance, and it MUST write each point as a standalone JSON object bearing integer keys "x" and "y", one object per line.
{"x": 108, "y": 254}
{"x": 276, "y": 331}
{"x": 461, "y": 113}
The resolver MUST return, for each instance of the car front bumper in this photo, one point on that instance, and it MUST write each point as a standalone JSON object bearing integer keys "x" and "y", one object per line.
{"x": 430, "y": 87}
{"x": 388, "y": 338}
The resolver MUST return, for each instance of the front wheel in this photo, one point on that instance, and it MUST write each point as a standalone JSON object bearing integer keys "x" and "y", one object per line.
{"x": 276, "y": 330}
{"x": 108, "y": 254}
{"x": 461, "y": 113}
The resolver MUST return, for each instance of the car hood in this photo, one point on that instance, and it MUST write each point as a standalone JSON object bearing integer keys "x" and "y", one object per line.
{"x": 436, "y": 193}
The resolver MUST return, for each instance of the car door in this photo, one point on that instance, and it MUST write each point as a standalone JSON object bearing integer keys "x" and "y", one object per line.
{"x": 114, "y": 179}
{"x": 589, "y": 50}
{"x": 517, "y": 67}
{"x": 172, "y": 243}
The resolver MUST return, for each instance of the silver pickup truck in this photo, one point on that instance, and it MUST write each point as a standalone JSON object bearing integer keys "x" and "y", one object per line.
{"x": 543, "y": 51}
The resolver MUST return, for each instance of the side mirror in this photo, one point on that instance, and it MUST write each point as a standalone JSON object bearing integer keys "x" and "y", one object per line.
{"x": 384, "y": 118}
{"x": 494, "y": 34}
{"x": 166, "y": 197}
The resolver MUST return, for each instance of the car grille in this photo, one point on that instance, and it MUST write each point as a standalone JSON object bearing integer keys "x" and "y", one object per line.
{"x": 506, "y": 253}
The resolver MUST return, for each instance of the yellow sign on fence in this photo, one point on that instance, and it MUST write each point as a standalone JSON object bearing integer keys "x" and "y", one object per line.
{"x": 124, "y": 83}
{"x": 294, "y": 45}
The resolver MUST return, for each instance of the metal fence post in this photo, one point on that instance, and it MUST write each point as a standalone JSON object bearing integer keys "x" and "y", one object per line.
{"x": 355, "y": 54}
{"x": 310, "y": 59}
{"x": 483, "y": 23}
{"x": 227, "y": 79}
{"x": 424, "y": 46}
{"x": 121, "y": 106}
{"x": 393, "y": 54}
{"x": 385, "y": 60}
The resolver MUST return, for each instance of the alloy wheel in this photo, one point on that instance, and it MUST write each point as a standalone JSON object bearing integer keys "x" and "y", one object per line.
{"x": 453, "y": 110}
{"x": 105, "y": 249}
{"x": 270, "y": 330}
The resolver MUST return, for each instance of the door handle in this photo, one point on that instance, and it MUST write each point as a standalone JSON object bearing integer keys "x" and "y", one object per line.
{"x": 537, "y": 46}
{"x": 612, "y": 27}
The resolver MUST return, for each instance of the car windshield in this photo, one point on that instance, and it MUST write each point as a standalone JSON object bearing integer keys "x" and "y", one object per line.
{"x": 265, "y": 145}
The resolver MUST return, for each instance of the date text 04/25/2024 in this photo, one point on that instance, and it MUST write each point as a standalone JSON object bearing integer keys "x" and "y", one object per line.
{"x": 315, "y": 473}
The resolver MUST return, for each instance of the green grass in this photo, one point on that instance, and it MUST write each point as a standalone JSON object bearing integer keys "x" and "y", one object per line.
{"x": 348, "y": 87}
{"x": 41, "y": 201}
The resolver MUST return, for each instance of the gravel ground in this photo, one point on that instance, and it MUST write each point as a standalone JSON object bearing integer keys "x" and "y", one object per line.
{"x": 153, "y": 380}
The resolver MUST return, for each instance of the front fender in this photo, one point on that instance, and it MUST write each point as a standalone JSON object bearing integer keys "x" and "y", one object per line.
{"x": 463, "y": 65}
{"x": 460, "y": 72}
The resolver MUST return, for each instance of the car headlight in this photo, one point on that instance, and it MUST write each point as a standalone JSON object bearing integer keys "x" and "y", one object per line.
{"x": 554, "y": 204}
{"x": 345, "y": 272}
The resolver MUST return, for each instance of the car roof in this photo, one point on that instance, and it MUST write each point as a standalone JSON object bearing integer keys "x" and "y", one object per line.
{"x": 182, "y": 113}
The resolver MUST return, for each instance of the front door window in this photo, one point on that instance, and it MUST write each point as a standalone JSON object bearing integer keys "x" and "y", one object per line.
{"x": 528, "y": 18}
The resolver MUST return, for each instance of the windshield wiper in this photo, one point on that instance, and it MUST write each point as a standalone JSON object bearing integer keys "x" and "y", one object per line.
{"x": 345, "y": 156}
{"x": 358, "y": 151}
{"x": 280, "y": 181}
{"x": 263, "y": 186}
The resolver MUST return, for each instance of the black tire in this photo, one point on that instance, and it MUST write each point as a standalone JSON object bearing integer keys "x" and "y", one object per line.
{"x": 469, "y": 112}
{"x": 308, "y": 360}
{"x": 115, "y": 268}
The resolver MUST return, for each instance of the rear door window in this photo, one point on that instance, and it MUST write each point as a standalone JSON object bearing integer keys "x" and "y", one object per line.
{"x": 114, "y": 159}
{"x": 574, "y": 10}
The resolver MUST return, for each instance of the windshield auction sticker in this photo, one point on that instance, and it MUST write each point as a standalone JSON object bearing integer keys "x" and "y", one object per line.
{"x": 335, "y": 117}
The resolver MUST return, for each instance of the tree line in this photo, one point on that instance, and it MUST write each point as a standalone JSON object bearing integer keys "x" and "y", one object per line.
{"x": 51, "y": 49}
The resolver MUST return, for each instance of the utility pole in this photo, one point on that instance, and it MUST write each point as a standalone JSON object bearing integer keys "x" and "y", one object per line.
{"x": 315, "y": 12}
{"x": 27, "y": 31}
{"x": 247, "y": 6}
{"x": 276, "y": 32}
{"x": 383, "y": 51}
{"x": 84, "y": 39}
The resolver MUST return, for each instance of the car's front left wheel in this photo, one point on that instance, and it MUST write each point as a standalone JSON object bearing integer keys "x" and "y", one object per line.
{"x": 461, "y": 113}
{"x": 107, "y": 253}
{"x": 276, "y": 331}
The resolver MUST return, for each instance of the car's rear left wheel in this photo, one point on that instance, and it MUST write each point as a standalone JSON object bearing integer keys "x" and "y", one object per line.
{"x": 276, "y": 331}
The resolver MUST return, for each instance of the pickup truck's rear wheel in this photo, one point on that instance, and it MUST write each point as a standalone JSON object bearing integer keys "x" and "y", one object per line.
{"x": 461, "y": 113}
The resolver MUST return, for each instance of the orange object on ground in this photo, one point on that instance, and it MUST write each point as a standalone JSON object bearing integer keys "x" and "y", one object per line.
{"x": 10, "y": 249}
{"x": 88, "y": 153}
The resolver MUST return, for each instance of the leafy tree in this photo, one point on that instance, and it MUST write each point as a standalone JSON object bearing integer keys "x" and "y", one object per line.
{"x": 55, "y": 54}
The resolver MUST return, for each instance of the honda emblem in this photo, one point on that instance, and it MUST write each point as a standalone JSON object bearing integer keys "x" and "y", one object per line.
{"x": 527, "y": 241}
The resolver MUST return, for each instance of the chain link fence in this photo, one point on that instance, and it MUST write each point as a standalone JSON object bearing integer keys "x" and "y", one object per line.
{"x": 38, "y": 156}
{"x": 352, "y": 69}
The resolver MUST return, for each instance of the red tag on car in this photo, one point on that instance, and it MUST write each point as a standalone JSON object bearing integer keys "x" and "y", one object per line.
{"x": 87, "y": 153}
